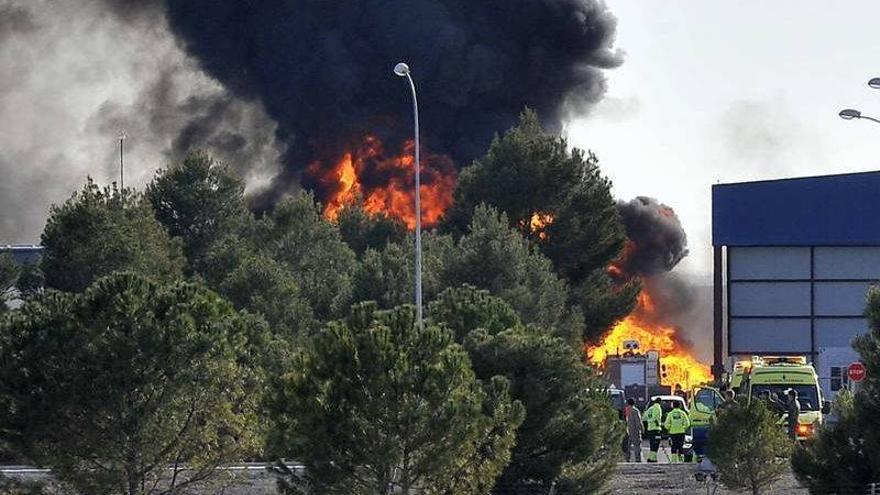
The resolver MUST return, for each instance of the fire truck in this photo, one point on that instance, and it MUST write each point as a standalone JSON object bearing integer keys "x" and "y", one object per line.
{"x": 638, "y": 374}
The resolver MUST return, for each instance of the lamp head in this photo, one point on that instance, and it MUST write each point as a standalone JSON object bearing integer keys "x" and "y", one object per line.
{"x": 849, "y": 114}
{"x": 874, "y": 83}
{"x": 401, "y": 69}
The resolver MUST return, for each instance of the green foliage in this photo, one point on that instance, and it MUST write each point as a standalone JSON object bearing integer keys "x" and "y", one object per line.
{"x": 570, "y": 431}
{"x": 30, "y": 281}
{"x": 296, "y": 235}
{"x": 493, "y": 256}
{"x": 529, "y": 171}
{"x": 466, "y": 308}
{"x": 110, "y": 387}
{"x": 387, "y": 275}
{"x": 9, "y": 272}
{"x": 748, "y": 446}
{"x": 363, "y": 231}
{"x": 199, "y": 201}
{"x": 376, "y": 401}
{"x": 263, "y": 286}
{"x": 834, "y": 461}
{"x": 846, "y": 455}
{"x": 100, "y": 231}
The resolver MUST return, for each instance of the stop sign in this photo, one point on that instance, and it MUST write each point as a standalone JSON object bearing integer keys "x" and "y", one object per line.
{"x": 856, "y": 371}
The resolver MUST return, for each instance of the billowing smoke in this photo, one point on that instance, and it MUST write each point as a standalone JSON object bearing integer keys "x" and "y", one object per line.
{"x": 656, "y": 244}
{"x": 75, "y": 73}
{"x": 273, "y": 87}
{"x": 657, "y": 241}
{"x": 322, "y": 69}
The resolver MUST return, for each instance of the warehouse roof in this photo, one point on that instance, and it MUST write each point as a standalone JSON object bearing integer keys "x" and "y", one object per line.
{"x": 830, "y": 210}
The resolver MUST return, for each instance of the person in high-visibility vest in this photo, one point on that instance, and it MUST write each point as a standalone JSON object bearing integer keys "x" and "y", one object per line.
{"x": 676, "y": 424}
{"x": 654, "y": 427}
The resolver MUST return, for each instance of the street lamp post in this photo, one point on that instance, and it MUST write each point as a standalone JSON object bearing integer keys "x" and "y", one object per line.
{"x": 402, "y": 70}
{"x": 851, "y": 113}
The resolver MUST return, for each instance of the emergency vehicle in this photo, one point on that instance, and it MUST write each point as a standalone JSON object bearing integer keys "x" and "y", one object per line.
{"x": 779, "y": 374}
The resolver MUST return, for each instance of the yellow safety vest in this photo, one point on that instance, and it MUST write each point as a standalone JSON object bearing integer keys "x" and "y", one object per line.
{"x": 677, "y": 422}
{"x": 653, "y": 416}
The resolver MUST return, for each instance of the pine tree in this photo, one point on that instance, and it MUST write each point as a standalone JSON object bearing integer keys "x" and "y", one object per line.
{"x": 377, "y": 402}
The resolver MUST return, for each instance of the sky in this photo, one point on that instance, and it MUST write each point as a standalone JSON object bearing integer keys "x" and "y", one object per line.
{"x": 713, "y": 92}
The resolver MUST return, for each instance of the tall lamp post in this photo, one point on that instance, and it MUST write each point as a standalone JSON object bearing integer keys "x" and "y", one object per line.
{"x": 850, "y": 113}
{"x": 402, "y": 70}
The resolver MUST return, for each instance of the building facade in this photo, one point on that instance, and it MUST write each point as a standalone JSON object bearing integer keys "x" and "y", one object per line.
{"x": 794, "y": 259}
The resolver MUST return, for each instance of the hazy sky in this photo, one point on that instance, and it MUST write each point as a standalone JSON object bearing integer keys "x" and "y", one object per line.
{"x": 714, "y": 91}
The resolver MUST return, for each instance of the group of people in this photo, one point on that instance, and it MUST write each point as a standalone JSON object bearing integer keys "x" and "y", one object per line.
{"x": 676, "y": 424}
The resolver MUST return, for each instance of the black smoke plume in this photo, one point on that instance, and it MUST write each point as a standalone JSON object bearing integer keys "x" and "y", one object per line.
{"x": 657, "y": 241}
{"x": 322, "y": 69}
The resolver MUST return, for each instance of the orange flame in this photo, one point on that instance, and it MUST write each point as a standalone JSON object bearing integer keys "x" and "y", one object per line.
{"x": 682, "y": 368}
{"x": 344, "y": 183}
{"x": 538, "y": 224}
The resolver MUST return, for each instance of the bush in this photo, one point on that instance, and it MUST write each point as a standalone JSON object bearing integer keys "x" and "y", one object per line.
{"x": 748, "y": 447}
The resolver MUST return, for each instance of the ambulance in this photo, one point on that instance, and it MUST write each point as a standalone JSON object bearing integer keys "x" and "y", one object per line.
{"x": 779, "y": 374}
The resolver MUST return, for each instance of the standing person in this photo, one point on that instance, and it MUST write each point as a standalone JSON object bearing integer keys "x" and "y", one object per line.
{"x": 654, "y": 425}
{"x": 793, "y": 409}
{"x": 676, "y": 424}
{"x": 634, "y": 429}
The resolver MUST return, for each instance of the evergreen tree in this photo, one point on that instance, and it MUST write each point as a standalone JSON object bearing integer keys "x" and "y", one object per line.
{"x": 493, "y": 256}
{"x": 295, "y": 234}
{"x": 363, "y": 231}
{"x": 387, "y": 275}
{"x": 377, "y": 403}
{"x": 845, "y": 456}
{"x": 570, "y": 432}
{"x": 559, "y": 200}
{"x": 110, "y": 387}
{"x": 198, "y": 200}
{"x": 9, "y": 272}
{"x": 748, "y": 447}
{"x": 100, "y": 231}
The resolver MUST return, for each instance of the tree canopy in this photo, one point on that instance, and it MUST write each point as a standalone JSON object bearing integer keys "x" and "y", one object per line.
{"x": 295, "y": 234}
{"x": 199, "y": 201}
{"x": 110, "y": 387}
{"x": 99, "y": 231}
{"x": 558, "y": 199}
{"x": 375, "y": 401}
{"x": 570, "y": 432}
{"x": 845, "y": 456}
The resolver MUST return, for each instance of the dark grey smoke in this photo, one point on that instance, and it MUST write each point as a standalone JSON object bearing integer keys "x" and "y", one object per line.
{"x": 657, "y": 239}
{"x": 322, "y": 68}
{"x": 73, "y": 73}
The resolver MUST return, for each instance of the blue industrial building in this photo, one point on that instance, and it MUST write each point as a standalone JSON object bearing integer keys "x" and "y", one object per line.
{"x": 793, "y": 261}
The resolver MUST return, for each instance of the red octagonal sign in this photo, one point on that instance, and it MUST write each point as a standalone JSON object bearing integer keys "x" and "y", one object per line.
{"x": 856, "y": 371}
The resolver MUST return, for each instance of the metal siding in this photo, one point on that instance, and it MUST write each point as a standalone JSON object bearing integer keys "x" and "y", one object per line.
{"x": 841, "y": 298}
{"x": 779, "y": 263}
{"x": 769, "y": 335}
{"x": 769, "y": 299}
{"x": 839, "y": 332}
{"x": 861, "y": 262}
{"x": 842, "y": 210}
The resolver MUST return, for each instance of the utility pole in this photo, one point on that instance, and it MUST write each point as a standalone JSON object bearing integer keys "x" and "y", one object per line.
{"x": 122, "y": 160}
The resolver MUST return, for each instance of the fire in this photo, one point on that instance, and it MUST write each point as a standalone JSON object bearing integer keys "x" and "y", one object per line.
{"x": 682, "y": 368}
{"x": 385, "y": 183}
{"x": 538, "y": 224}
